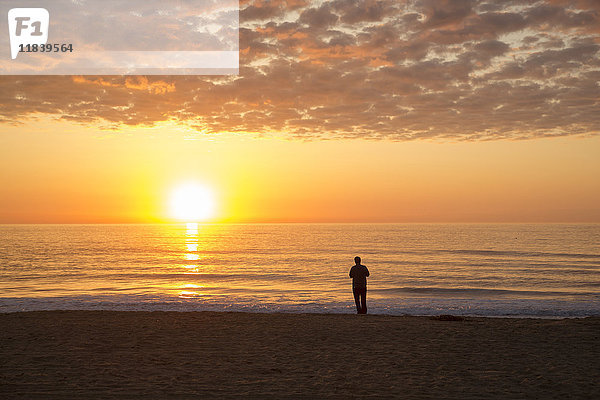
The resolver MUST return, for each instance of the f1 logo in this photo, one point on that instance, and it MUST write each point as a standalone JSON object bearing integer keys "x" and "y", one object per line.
{"x": 27, "y": 26}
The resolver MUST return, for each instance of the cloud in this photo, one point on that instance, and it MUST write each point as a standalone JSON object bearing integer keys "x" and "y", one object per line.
{"x": 395, "y": 70}
{"x": 321, "y": 17}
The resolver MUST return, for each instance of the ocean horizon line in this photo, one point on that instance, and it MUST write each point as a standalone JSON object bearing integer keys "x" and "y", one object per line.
{"x": 314, "y": 223}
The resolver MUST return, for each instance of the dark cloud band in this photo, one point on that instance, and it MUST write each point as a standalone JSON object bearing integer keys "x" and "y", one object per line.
{"x": 467, "y": 70}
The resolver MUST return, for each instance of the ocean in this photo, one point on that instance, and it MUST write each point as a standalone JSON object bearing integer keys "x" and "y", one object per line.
{"x": 514, "y": 270}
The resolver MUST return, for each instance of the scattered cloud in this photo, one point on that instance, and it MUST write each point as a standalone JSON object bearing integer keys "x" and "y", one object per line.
{"x": 376, "y": 69}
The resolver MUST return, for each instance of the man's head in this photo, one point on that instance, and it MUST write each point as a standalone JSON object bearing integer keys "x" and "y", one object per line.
{"x": 357, "y": 260}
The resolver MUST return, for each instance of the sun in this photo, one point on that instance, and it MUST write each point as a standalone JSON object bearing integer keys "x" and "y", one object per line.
{"x": 192, "y": 202}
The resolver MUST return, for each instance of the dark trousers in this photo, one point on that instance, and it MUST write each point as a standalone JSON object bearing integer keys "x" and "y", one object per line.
{"x": 360, "y": 298}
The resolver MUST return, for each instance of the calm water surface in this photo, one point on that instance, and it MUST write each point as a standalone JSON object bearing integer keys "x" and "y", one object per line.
{"x": 471, "y": 269}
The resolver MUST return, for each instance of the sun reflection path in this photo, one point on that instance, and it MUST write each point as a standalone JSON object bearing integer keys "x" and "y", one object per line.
{"x": 192, "y": 237}
{"x": 192, "y": 229}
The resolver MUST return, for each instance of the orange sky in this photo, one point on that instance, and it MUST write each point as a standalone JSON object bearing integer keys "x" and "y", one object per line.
{"x": 57, "y": 172}
{"x": 367, "y": 111}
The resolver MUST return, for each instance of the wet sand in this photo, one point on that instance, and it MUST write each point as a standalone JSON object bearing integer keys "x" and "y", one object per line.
{"x": 102, "y": 354}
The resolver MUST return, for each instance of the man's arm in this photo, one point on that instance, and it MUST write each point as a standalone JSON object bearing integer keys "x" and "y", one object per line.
{"x": 367, "y": 269}
{"x": 351, "y": 272}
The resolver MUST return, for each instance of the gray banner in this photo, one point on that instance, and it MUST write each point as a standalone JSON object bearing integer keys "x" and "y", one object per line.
{"x": 104, "y": 37}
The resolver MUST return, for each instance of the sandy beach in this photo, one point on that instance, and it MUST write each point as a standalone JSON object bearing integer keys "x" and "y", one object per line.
{"x": 103, "y": 354}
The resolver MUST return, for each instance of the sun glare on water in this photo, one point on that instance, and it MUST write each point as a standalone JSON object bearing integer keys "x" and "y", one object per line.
{"x": 192, "y": 202}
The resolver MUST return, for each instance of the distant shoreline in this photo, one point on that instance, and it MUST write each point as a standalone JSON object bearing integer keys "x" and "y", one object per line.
{"x": 113, "y": 354}
{"x": 466, "y": 317}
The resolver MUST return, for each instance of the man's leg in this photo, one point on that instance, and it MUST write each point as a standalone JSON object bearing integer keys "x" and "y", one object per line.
{"x": 363, "y": 299}
{"x": 356, "y": 293}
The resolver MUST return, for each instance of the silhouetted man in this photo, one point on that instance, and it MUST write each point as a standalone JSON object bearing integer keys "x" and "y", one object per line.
{"x": 359, "y": 274}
